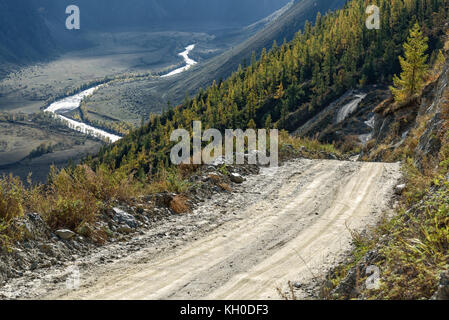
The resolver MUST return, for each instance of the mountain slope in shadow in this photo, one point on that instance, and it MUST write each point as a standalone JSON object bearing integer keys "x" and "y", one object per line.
{"x": 24, "y": 35}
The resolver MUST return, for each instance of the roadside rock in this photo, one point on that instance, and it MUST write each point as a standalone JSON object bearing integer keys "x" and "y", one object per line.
{"x": 400, "y": 189}
{"x": 33, "y": 226}
{"x": 163, "y": 199}
{"x": 124, "y": 229}
{"x": 351, "y": 286}
{"x": 65, "y": 234}
{"x": 125, "y": 218}
{"x": 236, "y": 178}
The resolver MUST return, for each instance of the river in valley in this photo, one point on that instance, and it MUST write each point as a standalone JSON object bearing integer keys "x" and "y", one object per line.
{"x": 73, "y": 102}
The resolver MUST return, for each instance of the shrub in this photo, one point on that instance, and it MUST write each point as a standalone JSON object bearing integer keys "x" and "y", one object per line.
{"x": 169, "y": 180}
{"x": 11, "y": 198}
{"x": 11, "y": 206}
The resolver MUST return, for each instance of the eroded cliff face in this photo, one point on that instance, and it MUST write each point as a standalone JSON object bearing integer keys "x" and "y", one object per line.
{"x": 349, "y": 118}
{"x": 414, "y": 133}
{"x": 414, "y": 129}
{"x": 377, "y": 128}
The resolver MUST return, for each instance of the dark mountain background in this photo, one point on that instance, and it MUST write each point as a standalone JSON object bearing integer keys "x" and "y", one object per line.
{"x": 153, "y": 96}
{"x": 35, "y": 29}
{"x": 24, "y": 36}
{"x": 118, "y": 14}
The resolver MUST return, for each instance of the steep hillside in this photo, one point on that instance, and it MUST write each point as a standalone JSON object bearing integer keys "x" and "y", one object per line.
{"x": 411, "y": 250}
{"x": 283, "y": 28}
{"x": 148, "y": 96}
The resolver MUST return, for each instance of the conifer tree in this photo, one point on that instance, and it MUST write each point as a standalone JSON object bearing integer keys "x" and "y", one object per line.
{"x": 414, "y": 66}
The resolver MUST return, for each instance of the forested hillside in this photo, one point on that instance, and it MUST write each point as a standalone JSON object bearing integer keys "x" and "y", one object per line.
{"x": 292, "y": 82}
{"x": 283, "y": 28}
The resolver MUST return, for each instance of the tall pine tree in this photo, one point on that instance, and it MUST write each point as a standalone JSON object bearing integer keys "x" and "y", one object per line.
{"x": 414, "y": 66}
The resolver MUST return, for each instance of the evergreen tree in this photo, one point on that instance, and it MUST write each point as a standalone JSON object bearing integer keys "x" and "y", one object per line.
{"x": 414, "y": 66}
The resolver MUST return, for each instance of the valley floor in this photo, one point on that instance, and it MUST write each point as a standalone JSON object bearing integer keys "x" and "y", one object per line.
{"x": 292, "y": 223}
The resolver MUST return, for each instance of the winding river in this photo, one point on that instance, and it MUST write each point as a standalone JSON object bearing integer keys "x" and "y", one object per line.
{"x": 73, "y": 102}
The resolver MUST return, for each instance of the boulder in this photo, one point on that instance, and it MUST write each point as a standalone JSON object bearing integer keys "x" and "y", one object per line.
{"x": 399, "y": 189}
{"x": 65, "y": 234}
{"x": 163, "y": 199}
{"x": 124, "y": 229}
{"x": 220, "y": 161}
{"x": 34, "y": 217}
{"x": 34, "y": 226}
{"x": 236, "y": 178}
{"x": 125, "y": 218}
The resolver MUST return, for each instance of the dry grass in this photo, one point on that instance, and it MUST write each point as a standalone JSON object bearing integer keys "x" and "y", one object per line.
{"x": 179, "y": 204}
{"x": 288, "y": 296}
{"x": 350, "y": 144}
{"x": 225, "y": 186}
{"x": 173, "y": 180}
{"x": 11, "y": 198}
{"x": 11, "y": 207}
{"x": 72, "y": 199}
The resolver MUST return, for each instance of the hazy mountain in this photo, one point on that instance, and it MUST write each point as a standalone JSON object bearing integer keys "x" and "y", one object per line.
{"x": 117, "y": 14}
{"x": 29, "y": 29}
{"x": 23, "y": 33}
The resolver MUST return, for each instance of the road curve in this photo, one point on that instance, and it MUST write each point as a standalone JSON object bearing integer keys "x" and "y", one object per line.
{"x": 291, "y": 224}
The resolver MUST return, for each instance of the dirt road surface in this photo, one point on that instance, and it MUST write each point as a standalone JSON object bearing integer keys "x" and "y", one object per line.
{"x": 291, "y": 224}
{"x": 287, "y": 224}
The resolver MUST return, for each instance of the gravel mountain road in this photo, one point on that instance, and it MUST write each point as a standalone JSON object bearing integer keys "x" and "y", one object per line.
{"x": 291, "y": 223}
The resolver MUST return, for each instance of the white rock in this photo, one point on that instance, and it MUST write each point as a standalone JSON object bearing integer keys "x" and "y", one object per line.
{"x": 65, "y": 234}
{"x": 237, "y": 178}
{"x": 400, "y": 189}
